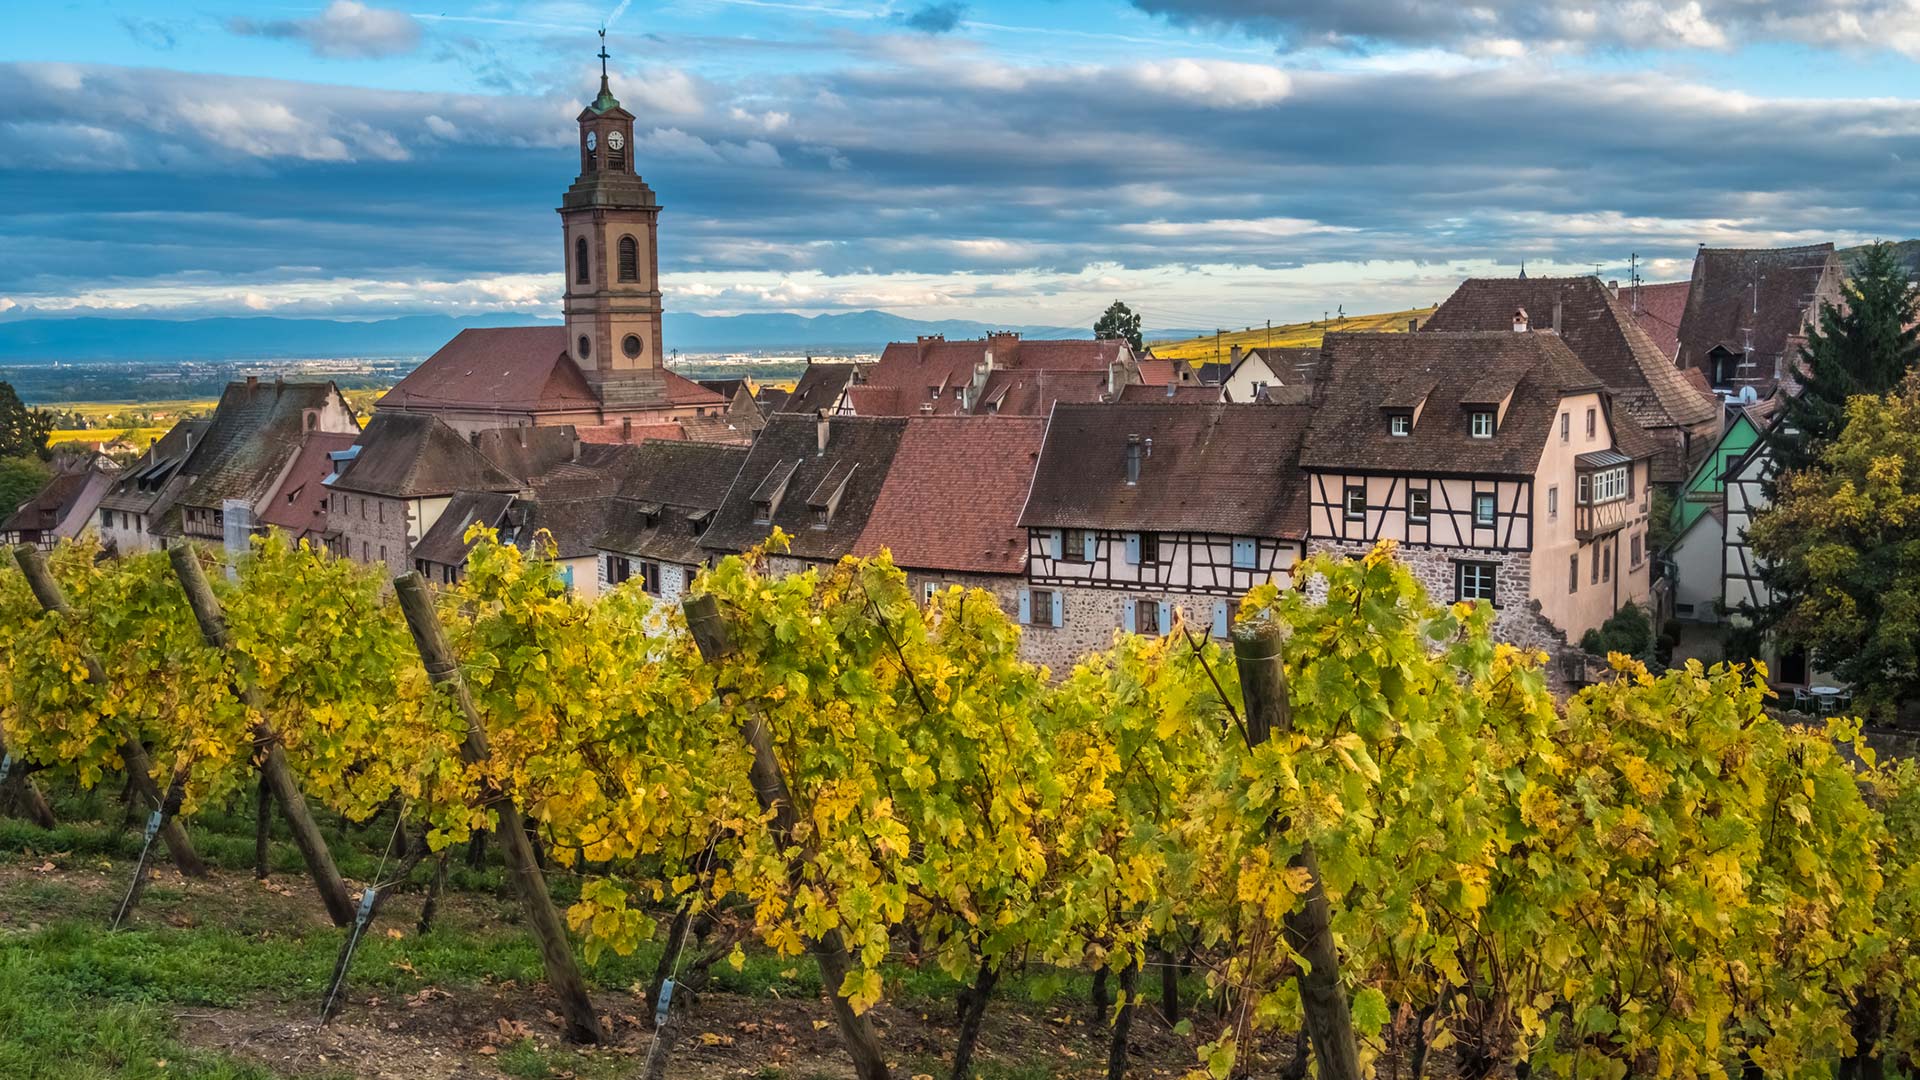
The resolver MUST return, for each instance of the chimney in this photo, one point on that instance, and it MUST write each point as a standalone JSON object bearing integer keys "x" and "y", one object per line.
{"x": 1519, "y": 320}
{"x": 576, "y": 445}
{"x": 1557, "y": 308}
{"x": 926, "y": 409}
{"x": 1613, "y": 286}
{"x": 253, "y": 383}
{"x": 1233, "y": 355}
{"x": 1133, "y": 459}
{"x": 822, "y": 429}
{"x": 1170, "y": 387}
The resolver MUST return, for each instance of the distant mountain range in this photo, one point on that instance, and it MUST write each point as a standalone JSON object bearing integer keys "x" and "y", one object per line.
{"x": 93, "y": 338}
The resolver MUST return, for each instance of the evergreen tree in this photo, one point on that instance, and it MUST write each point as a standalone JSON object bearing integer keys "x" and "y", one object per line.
{"x": 23, "y": 431}
{"x": 1866, "y": 345}
{"x": 1119, "y": 322}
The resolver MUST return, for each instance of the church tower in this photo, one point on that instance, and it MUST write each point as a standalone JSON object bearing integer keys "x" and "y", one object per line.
{"x": 610, "y": 223}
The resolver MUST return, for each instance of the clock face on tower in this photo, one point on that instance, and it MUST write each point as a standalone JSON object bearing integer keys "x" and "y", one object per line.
{"x": 591, "y": 140}
{"x": 615, "y": 140}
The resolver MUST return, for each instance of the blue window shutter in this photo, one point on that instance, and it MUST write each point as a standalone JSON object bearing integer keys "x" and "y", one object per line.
{"x": 1089, "y": 545}
{"x": 1026, "y": 607}
{"x": 1127, "y": 620}
{"x": 1245, "y": 553}
{"x": 566, "y": 575}
{"x": 1133, "y": 549}
{"x": 1059, "y": 609}
{"x": 1059, "y": 544}
{"x": 1220, "y": 624}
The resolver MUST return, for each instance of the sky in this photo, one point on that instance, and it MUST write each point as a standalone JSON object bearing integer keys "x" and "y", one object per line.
{"x": 1214, "y": 163}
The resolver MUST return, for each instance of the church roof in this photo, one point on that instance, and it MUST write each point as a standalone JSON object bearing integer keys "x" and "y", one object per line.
{"x": 509, "y": 368}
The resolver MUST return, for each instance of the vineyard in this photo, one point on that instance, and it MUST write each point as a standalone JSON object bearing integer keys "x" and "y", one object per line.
{"x": 1218, "y": 348}
{"x": 1360, "y": 834}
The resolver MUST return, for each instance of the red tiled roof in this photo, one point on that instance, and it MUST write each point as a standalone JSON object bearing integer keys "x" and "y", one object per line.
{"x": 684, "y": 391}
{"x": 298, "y": 505}
{"x": 1022, "y": 370}
{"x": 952, "y": 497}
{"x": 1657, "y": 308}
{"x": 638, "y": 433}
{"x": 1156, "y": 372}
{"x": 521, "y": 368}
{"x": 1191, "y": 393}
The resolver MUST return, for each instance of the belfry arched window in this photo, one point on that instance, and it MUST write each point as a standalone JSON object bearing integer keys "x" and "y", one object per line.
{"x": 629, "y": 259}
{"x": 581, "y": 273}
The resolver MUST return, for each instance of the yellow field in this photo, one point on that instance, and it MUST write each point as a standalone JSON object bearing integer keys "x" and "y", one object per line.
{"x": 1293, "y": 335}
{"x": 141, "y": 437}
{"x": 106, "y": 412}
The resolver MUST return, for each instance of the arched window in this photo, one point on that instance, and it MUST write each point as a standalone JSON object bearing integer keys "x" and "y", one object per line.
{"x": 580, "y": 271}
{"x": 629, "y": 259}
{"x": 586, "y": 347}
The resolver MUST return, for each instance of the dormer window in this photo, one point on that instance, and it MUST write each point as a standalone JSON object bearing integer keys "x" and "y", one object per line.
{"x": 1480, "y": 424}
{"x": 762, "y": 511}
{"x": 1400, "y": 425}
{"x": 821, "y": 515}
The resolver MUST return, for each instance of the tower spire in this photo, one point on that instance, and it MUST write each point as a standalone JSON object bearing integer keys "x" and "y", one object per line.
{"x": 606, "y": 99}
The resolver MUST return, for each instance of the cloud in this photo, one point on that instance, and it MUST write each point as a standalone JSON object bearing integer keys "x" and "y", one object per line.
{"x": 935, "y": 18}
{"x": 152, "y": 33}
{"x": 1514, "y": 27}
{"x": 345, "y": 29}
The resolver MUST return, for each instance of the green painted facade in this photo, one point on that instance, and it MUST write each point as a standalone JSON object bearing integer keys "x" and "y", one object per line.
{"x": 1707, "y": 486}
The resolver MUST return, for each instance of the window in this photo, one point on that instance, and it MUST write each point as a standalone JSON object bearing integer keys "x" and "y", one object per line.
{"x": 619, "y": 569}
{"x": 1040, "y": 608}
{"x": 1573, "y": 572}
{"x": 1246, "y": 553}
{"x": 1553, "y": 502}
{"x": 1564, "y": 426}
{"x": 1590, "y": 423}
{"x": 383, "y": 553}
{"x": 1606, "y": 486}
{"x": 821, "y": 515}
{"x": 1473, "y": 581}
{"x": 1356, "y": 503}
{"x": 762, "y": 511}
{"x": 1634, "y": 548}
{"x": 1399, "y": 424}
{"x": 1593, "y": 568}
{"x": 581, "y": 273}
{"x": 1149, "y": 548}
{"x": 1482, "y": 425}
{"x": 650, "y": 577}
{"x": 363, "y": 508}
{"x": 1419, "y": 503}
{"x": 1606, "y": 563}
{"x": 1582, "y": 490}
{"x": 365, "y": 554}
{"x": 629, "y": 259}
{"x": 1077, "y": 546}
{"x": 933, "y": 393}
{"x": 380, "y": 512}
{"x": 1146, "y": 617}
{"x": 1483, "y": 509}
{"x": 586, "y": 346}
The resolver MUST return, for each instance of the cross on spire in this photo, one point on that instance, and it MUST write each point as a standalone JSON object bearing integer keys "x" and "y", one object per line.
{"x": 603, "y": 59}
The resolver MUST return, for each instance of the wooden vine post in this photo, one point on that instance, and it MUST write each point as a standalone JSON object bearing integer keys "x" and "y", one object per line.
{"x": 13, "y": 777}
{"x": 710, "y": 634}
{"x": 563, "y": 972}
{"x": 276, "y": 774}
{"x": 1329, "y": 1021}
{"x": 139, "y": 769}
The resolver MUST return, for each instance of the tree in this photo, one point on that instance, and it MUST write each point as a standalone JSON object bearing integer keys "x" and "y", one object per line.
{"x": 23, "y": 431}
{"x": 1865, "y": 345}
{"x": 21, "y": 478}
{"x": 1119, "y": 321}
{"x": 1843, "y": 543}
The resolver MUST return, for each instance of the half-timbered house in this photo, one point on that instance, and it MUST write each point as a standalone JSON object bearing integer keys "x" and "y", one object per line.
{"x": 1141, "y": 512}
{"x": 1499, "y": 465}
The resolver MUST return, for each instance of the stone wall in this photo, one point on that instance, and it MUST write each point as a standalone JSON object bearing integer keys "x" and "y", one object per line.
{"x": 1517, "y": 618}
{"x": 368, "y": 524}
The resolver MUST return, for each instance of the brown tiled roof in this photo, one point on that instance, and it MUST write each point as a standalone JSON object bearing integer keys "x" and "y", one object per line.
{"x": 1362, "y": 371}
{"x": 299, "y": 504}
{"x": 630, "y": 433}
{"x": 510, "y": 368}
{"x": 1005, "y": 393}
{"x": 684, "y": 391}
{"x": 859, "y": 448}
{"x": 673, "y": 483}
{"x": 1763, "y": 297}
{"x": 1633, "y": 440}
{"x": 524, "y": 452}
{"x": 820, "y": 386}
{"x": 952, "y": 499}
{"x": 575, "y": 524}
{"x": 446, "y": 542}
{"x": 42, "y": 512}
{"x": 1600, "y": 329}
{"x": 1658, "y": 308}
{"x": 719, "y": 429}
{"x": 153, "y": 478}
{"x": 1189, "y": 394}
{"x": 1027, "y": 376}
{"x": 409, "y": 455}
{"x": 1215, "y": 468}
{"x": 771, "y": 399}
{"x": 1290, "y": 364}
{"x": 1157, "y": 372}
{"x": 255, "y": 430}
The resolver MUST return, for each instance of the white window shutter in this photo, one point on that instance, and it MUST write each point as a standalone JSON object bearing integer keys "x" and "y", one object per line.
{"x": 1026, "y": 607}
{"x": 1089, "y": 545}
{"x": 1059, "y": 609}
{"x": 1133, "y": 549}
{"x": 1059, "y": 543}
{"x": 1220, "y": 623}
{"x": 1127, "y": 619}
